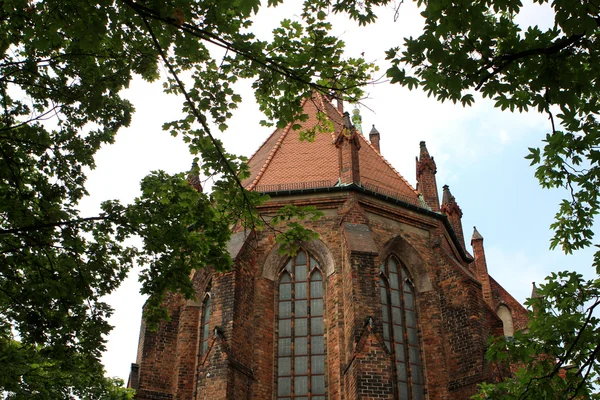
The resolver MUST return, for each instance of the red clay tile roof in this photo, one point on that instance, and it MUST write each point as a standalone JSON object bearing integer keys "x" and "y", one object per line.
{"x": 284, "y": 162}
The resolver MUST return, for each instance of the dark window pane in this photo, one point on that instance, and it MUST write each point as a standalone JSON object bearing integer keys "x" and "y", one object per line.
{"x": 412, "y": 336}
{"x": 205, "y": 332}
{"x": 398, "y": 334}
{"x": 300, "y": 309}
{"x": 301, "y": 398}
{"x": 316, "y": 307}
{"x": 411, "y": 319}
{"x": 393, "y": 266}
{"x": 288, "y": 266}
{"x": 413, "y": 354}
{"x": 285, "y": 327}
{"x": 301, "y": 346}
{"x": 316, "y": 326}
{"x": 285, "y": 291}
{"x": 415, "y": 370}
{"x": 317, "y": 365}
{"x": 316, "y": 345}
{"x": 284, "y": 386}
{"x": 301, "y": 326}
{"x": 285, "y": 278}
{"x": 317, "y": 384}
{"x": 285, "y": 347}
{"x": 300, "y": 273}
{"x": 401, "y": 371}
{"x": 385, "y": 314}
{"x": 388, "y": 345}
{"x": 204, "y": 347}
{"x": 383, "y": 292}
{"x": 300, "y": 385}
{"x": 397, "y": 315}
{"x": 300, "y": 292}
{"x": 301, "y": 365}
{"x": 318, "y": 397}
{"x": 386, "y": 331}
{"x": 284, "y": 366}
{"x": 301, "y": 257}
{"x": 394, "y": 281}
{"x": 316, "y": 289}
{"x": 403, "y": 389}
{"x": 396, "y": 298}
{"x": 409, "y": 298}
{"x": 316, "y": 276}
{"x": 285, "y": 309}
{"x": 382, "y": 268}
{"x": 399, "y": 352}
{"x": 417, "y": 392}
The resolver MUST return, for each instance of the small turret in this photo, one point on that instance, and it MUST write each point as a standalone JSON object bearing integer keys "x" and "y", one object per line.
{"x": 194, "y": 177}
{"x": 481, "y": 271}
{"x": 454, "y": 213}
{"x": 374, "y": 138}
{"x": 348, "y": 144}
{"x": 426, "y": 183}
{"x": 357, "y": 120}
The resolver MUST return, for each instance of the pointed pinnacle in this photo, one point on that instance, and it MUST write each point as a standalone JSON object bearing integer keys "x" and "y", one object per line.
{"x": 476, "y": 234}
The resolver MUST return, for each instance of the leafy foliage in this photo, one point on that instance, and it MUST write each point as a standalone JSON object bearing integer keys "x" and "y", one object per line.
{"x": 553, "y": 363}
{"x": 63, "y": 66}
{"x": 470, "y": 46}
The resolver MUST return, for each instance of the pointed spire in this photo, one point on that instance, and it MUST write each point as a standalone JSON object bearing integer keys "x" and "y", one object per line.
{"x": 194, "y": 177}
{"x": 357, "y": 119}
{"x": 426, "y": 182}
{"x": 534, "y": 291}
{"x": 476, "y": 235}
{"x": 480, "y": 266}
{"x": 454, "y": 213}
{"x": 374, "y": 138}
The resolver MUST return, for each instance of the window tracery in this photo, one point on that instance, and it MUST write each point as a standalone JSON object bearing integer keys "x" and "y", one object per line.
{"x": 400, "y": 328}
{"x": 300, "y": 330}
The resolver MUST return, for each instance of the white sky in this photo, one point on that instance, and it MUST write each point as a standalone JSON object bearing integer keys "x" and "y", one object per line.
{"x": 478, "y": 150}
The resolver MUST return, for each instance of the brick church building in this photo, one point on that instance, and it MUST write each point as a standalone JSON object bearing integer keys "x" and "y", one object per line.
{"x": 388, "y": 302}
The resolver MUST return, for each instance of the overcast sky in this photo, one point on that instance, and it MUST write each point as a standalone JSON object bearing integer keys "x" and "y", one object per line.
{"x": 479, "y": 153}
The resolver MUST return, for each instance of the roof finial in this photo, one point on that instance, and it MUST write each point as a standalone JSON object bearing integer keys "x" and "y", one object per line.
{"x": 476, "y": 234}
{"x": 357, "y": 119}
{"x": 194, "y": 177}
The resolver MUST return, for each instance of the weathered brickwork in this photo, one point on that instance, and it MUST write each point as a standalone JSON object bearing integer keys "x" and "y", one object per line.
{"x": 455, "y": 300}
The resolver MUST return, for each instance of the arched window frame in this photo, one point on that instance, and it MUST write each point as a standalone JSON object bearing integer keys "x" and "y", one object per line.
{"x": 400, "y": 328}
{"x": 508, "y": 326}
{"x": 300, "y": 350}
{"x": 204, "y": 322}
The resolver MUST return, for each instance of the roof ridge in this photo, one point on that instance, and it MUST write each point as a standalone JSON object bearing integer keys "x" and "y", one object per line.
{"x": 273, "y": 150}
{"x": 387, "y": 162}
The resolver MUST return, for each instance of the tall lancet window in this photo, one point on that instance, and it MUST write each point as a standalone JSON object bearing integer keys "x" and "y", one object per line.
{"x": 300, "y": 331}
{"x": 204, "y": 327}
{"x": 400, "y": 328}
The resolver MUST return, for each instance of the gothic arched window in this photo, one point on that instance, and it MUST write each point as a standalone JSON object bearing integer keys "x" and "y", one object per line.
{"x": 204, "y": 318}
{"x": 300, "y": 330}
{"x": 507, "y": 321}
{"x": 400, "y": 329}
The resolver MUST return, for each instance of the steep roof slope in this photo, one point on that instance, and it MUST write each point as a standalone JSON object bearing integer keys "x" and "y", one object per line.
{"x": 284, "y": 162}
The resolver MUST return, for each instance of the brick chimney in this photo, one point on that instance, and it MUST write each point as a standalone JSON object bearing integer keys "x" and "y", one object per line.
{"x": 481, "y": 270}
{"x": 348, "y": 145}
{"x": 426, "y": 183}
{"x": 374, "y": 138}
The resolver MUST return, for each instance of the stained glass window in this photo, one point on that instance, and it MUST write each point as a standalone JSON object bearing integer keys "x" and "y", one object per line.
{"x": 400, "y": 334}
{"x": 300, "y": 333}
